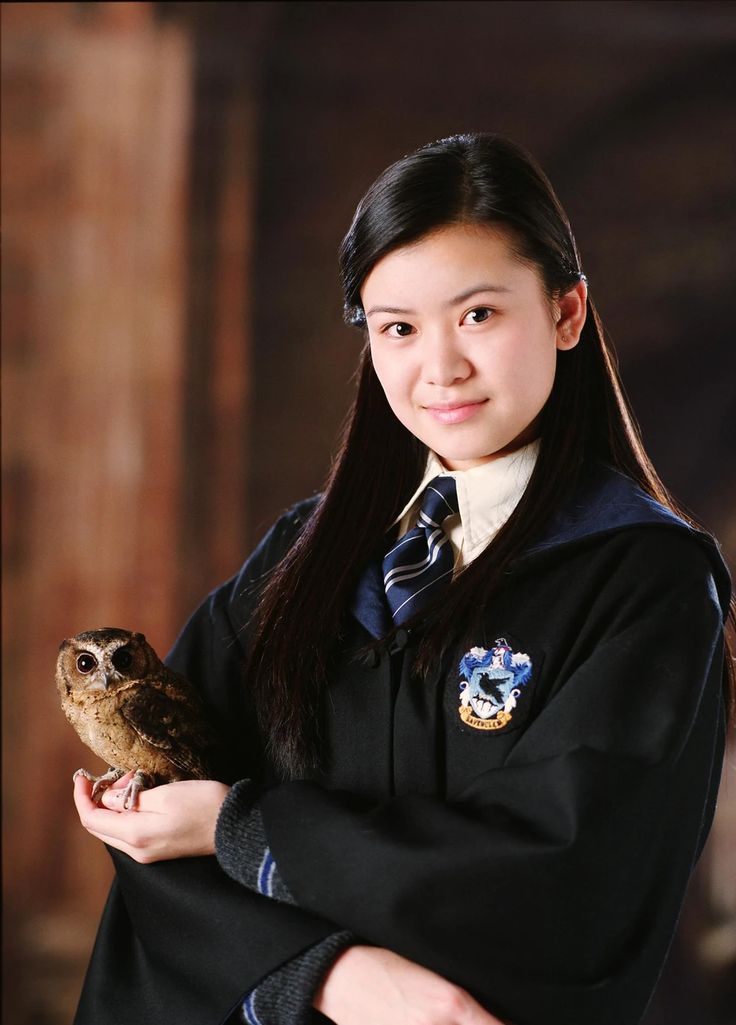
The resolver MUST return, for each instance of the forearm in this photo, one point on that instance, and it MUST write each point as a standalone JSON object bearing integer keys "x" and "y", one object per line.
{"x": 287, "y": 995}
{"x": 351, "y": 983}
{"x": 366, "y": 985}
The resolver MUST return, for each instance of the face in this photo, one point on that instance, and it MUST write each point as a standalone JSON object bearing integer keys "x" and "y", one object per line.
{"x": 464, "y": 341}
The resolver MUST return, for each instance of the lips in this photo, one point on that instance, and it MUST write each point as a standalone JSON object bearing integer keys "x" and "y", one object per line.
{"x": 456, "y": 413}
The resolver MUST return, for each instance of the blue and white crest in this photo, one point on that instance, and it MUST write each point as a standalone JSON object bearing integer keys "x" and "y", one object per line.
{"x": 492, "y": 684}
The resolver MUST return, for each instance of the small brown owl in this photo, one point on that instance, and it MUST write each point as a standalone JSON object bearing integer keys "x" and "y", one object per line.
{"x": 133, "y": 712}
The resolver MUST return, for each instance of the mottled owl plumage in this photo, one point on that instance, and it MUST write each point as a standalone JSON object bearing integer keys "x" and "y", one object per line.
{"x": 133, "y": 711}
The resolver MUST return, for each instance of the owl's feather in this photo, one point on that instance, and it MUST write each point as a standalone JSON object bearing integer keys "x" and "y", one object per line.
{"x": 169, "y": 723}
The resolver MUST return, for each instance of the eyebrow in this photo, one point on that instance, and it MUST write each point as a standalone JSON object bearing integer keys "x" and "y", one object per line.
{"x": 451, "y": 302}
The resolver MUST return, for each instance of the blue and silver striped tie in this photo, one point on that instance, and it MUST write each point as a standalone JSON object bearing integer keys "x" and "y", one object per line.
{"x": 422, "y": 558}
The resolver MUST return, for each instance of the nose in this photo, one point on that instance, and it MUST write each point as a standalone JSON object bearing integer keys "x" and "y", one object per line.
{"x": 444, "y": 363}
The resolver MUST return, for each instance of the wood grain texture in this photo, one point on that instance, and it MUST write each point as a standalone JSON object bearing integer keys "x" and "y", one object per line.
{"x": 94, "y": 213}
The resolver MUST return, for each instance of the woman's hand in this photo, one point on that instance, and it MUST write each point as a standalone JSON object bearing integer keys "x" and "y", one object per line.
{"x": 176, "y": 820}
{"x": 366, "y": 985}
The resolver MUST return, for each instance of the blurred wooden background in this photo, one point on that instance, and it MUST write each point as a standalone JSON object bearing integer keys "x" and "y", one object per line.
{"x": 176, "y": 180}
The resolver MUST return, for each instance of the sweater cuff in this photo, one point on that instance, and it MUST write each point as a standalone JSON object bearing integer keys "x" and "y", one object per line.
{"x": 241, "y": 846}
{"x": 285, "y": 996}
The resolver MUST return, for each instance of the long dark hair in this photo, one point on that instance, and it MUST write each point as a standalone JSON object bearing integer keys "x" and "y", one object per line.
{"x": 473, "y": 179}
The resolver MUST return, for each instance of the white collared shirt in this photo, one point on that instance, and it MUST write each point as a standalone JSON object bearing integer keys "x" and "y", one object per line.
{"x": 487, "y": 495}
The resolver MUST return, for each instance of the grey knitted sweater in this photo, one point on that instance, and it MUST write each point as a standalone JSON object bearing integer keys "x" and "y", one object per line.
{"x": 285, "y": 996}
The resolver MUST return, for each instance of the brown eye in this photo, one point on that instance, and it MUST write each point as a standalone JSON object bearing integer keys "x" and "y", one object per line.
{"x": 480, "y": 314}
{"x": 402, "y": 333}
{"x": 86, "y": 662}
{"x": 122, "y": 659}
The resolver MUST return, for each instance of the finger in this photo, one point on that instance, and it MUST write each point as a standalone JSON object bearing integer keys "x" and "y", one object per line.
{"x": 121, "y": 783}
{"x": 476, "y": 1015}
{"x": 113, "y": 798}
{"x": 470, "y": 1012}
{"x": 136, "y": 853}
{"x": 82, "y": 794}
{"x": 97, "y": 820}
{"x": 121, "y": 832}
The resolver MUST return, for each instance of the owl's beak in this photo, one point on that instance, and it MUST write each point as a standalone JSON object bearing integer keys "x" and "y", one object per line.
{"x": 106, "y": 678}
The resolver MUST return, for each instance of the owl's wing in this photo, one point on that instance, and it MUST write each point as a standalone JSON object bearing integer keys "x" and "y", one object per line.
{"x": 173, "y": 724}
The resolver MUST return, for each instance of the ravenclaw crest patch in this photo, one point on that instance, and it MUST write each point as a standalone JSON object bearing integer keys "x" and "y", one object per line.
{"x": 492, "y": 684}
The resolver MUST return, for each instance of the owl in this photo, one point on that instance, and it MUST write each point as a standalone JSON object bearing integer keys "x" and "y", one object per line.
{"x": 133, "y": 712}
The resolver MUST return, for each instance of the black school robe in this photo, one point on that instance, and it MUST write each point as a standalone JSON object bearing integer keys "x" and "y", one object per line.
{"x": 538, "y": 857}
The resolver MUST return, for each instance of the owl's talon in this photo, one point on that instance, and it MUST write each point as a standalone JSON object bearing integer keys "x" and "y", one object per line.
{"x": 100, "y": 783}
{"x": 99, "y": 789}
{"x": 140, "y": 781}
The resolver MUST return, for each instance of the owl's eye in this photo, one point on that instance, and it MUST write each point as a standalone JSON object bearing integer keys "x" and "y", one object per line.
{"x": 122, "y": 659}
{"x": 86, "y": 662}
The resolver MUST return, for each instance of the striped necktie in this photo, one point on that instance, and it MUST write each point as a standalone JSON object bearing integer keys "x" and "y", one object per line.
{"x": 422, "y": 558}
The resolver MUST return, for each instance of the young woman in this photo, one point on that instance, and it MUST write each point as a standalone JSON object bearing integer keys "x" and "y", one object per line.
{"x": 474, "y": 691}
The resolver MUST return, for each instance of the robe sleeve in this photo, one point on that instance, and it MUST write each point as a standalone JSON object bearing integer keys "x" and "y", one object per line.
{"x": 549, "y": 887}
{"x": 180, "y": 943}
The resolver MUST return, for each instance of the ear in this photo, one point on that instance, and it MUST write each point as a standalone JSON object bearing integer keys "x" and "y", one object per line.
{"x": 572, "y": 308}
{"x": 139, "y": 637}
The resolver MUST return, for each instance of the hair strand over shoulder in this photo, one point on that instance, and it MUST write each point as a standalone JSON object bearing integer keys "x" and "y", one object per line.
{"x": 479, "y": 179}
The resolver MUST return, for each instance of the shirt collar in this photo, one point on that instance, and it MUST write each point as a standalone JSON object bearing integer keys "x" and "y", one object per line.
{"x": 487, "y": 494}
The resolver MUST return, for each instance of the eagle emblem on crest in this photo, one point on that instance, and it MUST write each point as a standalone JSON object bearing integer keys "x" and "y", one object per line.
{"x": 492, "y": 682}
